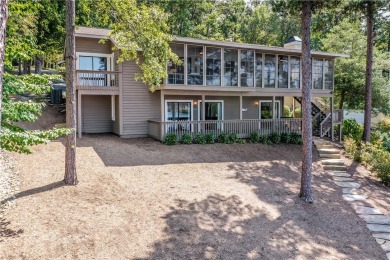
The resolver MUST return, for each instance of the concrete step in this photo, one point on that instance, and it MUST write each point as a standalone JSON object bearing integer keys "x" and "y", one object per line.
{"x": 332, "y": 162}
{"x": 325, "y": 146}
{"x": 330, "y": 156}
{"x": 335, "y": 167}
{"x": 329, "y": 151}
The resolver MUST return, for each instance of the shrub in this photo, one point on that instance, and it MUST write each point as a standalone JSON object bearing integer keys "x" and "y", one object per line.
{"x": 186, "y": 139}
{"x": 295, "y": 138}
{"x": 381, "y": 165}
{"x": 264, "y": 139}
{"x": 223, "y": 138}
{"x": 285, "y": 138}
{"x": 199, "y": 139}
{"x": 170, "y": 139}
{"x": 352, "y": 129}
{"x": 275, "y": 137}
{"x": 298, "y": 112}
{"x": 232, "y": 138}
{"x": 254, "y": 137}
{"x": 241, "y": 141}
{"x": 209, "y": 138}
{"x": 286, "y": 111}
{"x": 384, "y": 125}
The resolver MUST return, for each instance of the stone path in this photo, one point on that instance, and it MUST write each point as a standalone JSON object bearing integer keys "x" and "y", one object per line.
{"x": 377, "y": 223}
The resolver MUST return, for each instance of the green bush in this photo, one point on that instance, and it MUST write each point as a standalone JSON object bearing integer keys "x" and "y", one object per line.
{"x": 298, "y": 112}
{"x": 264, "y": 139}
{"x": 381, "y": 165}
{"x": 352, "y": 129}
{"x": 209, "y": 138}
{"x": 223, "y": 138}
{"x": 275, "y": 137}
{"x": 199, "y": 139}
{"x": 285, "y": 138}
{"x": 286, "y": 111}
{"x": 233, "y": 138}
{"x": 170, "y": 139}
{"x": 295, "y": 138}
{"x": 384, "y": 125}
{"x": 254, "y": 137}
{"x": 186, "y": 139}
{"x": 241, "y": 141}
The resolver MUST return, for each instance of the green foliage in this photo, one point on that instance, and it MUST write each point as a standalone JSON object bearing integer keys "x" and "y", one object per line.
{"x": 275, "y": 137}
{"x": 186, "y": 139}
{"x": 295, "y": 138}
{"x": 298, "y": 112}
{"x": 384, "y": 125}
{"x": 223, "y": 138}
{"x": 264, "y": 139}
{"x": 254, "y": 137}
{"x": 209, "y": 138}
{"x": 241, "y": 141}
{"x": 286, "y": 111}
{"x": 285, "y": 138}
{"x": 232, "y": 138}
{"x": 13, "y": 137}
{"x": 381, "y": 165}
{"x": 352, "y": 129}
{"x": 199, "y": 139}
{"x": 170, "y": 139}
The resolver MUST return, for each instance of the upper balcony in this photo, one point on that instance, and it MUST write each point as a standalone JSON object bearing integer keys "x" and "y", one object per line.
{"x": 236, "y": 69}
{"x": 97, "y": 82}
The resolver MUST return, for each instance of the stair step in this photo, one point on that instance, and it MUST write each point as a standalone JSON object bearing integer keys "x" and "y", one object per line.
{"x": 329, "y": 156}
{"x": 329, "y": 151}
{"x": 334, "y": 162}
{"x": 324, "y": 146}
{"x": 335, "y": 167}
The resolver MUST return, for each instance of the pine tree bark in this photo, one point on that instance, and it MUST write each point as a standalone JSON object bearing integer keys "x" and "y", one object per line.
{"x": 369, "y": 60}
{"x": 70, "y": 74}
{"x": 3, "y": 25}
{"x": 306, "y": 192}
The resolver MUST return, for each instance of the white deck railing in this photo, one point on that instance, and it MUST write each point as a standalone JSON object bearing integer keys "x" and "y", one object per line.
{"x": 243, "y": 128}
{"x": 93, "y": 78}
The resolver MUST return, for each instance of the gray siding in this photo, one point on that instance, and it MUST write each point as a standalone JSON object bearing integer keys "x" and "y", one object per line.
{"x": 139, "y": 105}
{"x": 96, "y": 114}
{"x": 92, "y": 45}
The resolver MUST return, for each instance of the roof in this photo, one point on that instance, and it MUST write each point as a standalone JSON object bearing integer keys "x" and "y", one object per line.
{"x": 294, "y": 39}
{"x": 100, "y": 33}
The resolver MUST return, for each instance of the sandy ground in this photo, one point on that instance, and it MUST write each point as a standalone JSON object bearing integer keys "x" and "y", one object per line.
{"x": 139, "y": 199}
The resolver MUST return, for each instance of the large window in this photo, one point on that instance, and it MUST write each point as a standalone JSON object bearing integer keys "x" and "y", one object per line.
{"x": 230, "y": 75}
{"x": 266, "y": 109}
{"x": 194, "y": 65}
{"x": 328, "y": 71}
{"x": 258, "y": 69}
{"x": 282, "y": 71}
{"x": 295, "y": 76}
{"x": 213, "y": 66}
{"x": 269, "y": 71}
{"x": 317, "y": 74}
{"x": 247, "y": 68}
{"x": 92, "y": 63}
{"x": 175, "y": 71}
{"x": 178, "y": 111}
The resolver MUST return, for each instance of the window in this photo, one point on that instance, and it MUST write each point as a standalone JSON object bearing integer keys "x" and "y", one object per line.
{"x": 328, "y": 71}
{"x": 269, "y": 71}
{"x": 178, "y": 111}
{"x": 213, "y": 66}
{"x": 230, "y": 74}
{"x": 92, "y": 63}
{"x": 282, "y": 71}
{"x": 317, "y": 74}
{"x": 194, "y": 65}
{"x": 295, "y": 67}
{"x": 175, "y": 71}
{"x": 258, "y": 69}
{"x": 247, "y": 68}
{"x": 266, "y": 111}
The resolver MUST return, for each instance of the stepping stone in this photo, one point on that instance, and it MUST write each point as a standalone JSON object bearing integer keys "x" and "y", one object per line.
{"x": 351, "y": 191}
{"x": 353, "y": 197}
{"x": 336, "y": 178}
{"x": 379, "y": 228}
{"x": 332, "y": 156}
{"x": 332, "y": 162}
{"x": 340, "y": 174}
{"x": 366, "y": 210}
{"x": 347, "y": 184}
{"x": 385, "y": 236}
{"x": 335, "y": 167}
{"x": 376, "y": 219}
{"x": 329, "y": 151}
{"x": 386, "y": 246}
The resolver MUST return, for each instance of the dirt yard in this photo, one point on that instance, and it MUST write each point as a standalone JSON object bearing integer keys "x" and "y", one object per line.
{"x": 139, "y": 199}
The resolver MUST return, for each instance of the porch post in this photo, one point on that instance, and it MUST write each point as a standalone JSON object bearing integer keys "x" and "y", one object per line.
{"x": 240, "y": 106}
{"x": 273, "y": 108}
{"x": 203, "y": 107}
{"x": 331, "y": 118}
{"x": 79, "y": 130}
{"x": 162, "y": 115}
{"x": 293, "y": 107}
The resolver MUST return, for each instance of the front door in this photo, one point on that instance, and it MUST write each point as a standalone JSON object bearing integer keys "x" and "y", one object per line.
{"x": 214, "y": 110}
{"x": 266, "y": 111}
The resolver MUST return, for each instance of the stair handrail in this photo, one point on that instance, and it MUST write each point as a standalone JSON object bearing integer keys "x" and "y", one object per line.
{"x": 322, "y": 125}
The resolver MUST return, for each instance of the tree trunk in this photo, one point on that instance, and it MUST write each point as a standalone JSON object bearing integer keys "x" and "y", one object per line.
{"x": 70, "y": 65}
{"x": 19, "y": 67}
{"x": 38, "y": 65}
{"x": 342, "y": 97}
{"x": 306, "y": 192}
{"x": 368, "y": 94}
{"x": 3, "y": 25}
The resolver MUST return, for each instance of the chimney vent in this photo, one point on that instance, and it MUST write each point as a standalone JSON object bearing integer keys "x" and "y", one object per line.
{"x": 294, "y": 42}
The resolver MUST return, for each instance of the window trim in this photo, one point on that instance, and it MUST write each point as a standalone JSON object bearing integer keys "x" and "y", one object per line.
{"x": 110, "y": 58}
{"x": 178, "y": 100}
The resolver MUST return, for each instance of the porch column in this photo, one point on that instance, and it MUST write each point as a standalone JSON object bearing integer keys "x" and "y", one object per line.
{"x": 162, "y": 115}
{"x": 331, "y": 118}
{"x": 203, "y": 107}
{"x": 273, "y": 108}
{"x": 293, "y": 107}
{"x": 79, "y": 130}
{"x": 241, "y": 106}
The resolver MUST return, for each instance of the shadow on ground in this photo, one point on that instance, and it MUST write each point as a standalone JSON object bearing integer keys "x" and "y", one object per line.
{"x": 5, "y": 230}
